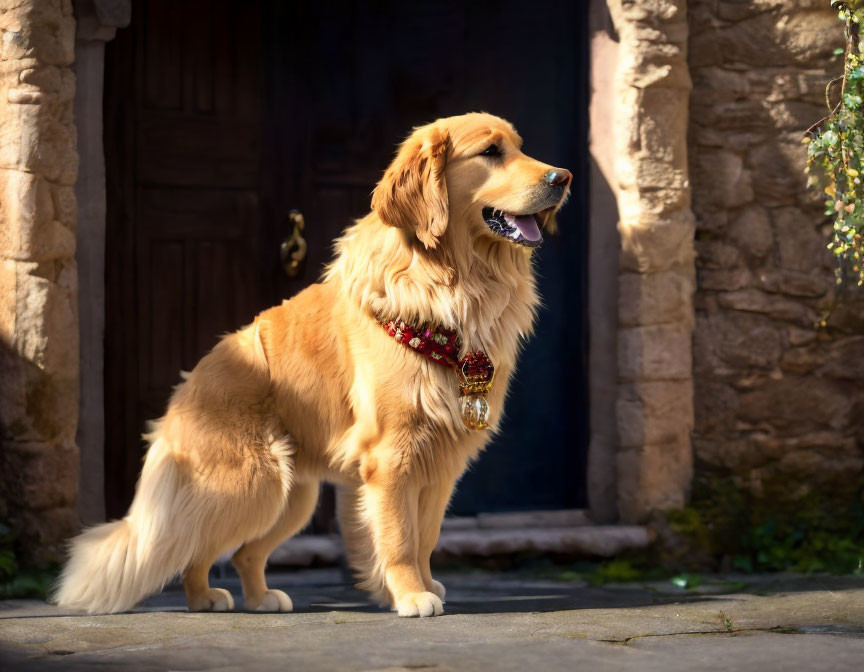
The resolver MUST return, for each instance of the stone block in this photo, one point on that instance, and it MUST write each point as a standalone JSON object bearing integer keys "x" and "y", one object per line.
{"x": 651, "y": 174}
{"x": 33, "y": 138}
{"x": 737, "y": 455}
{"x": 14, "y": 420}
{"x": 26, "y": 210}
{"x": 720, "y": 180}
{"x": 798, "y": 404}
{"x": 725, "y": 280}
{"x": 654, "y": 413}
{"x": 661, "y": 117}
{"x": 814, "y": 465}
{"x": 843, "y": 359}
{"x": 47, "y": 329}
{"x": 710, "y": 220}
{"x": 717, "y": 254}
{"x": 771, "y": 39}
{"x": 661, "y": 352}
{"x": 798, "y": 337}
{"x": 663, "y": 201}
{"x": 715, "y": 84}
{"x": 795, "y": 283}
{"x": 653, "y": 478}
{"x": 650, "y": 244}
{"x": 750, "y": 231}
{"x": 737, "y": 116}
{"x": 52, "y": 40}
{"x": 44, "y": 533}
{"x": 46, "y": 78}
{"x": 801, "y": 360}
{"x": 42, "y": 478}
{"x": 715, "y": 406}
{"x": 795, "y": 115}
{"x": 654, "y": 298}
{"x": 777, "y": 170}
{"x": 801, "y": 246}
{"x": 756, "y": 301}
{"x": 730, "y": 340}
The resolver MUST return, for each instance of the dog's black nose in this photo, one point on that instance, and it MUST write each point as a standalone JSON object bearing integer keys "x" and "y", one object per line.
{"x": 557, "y": 178}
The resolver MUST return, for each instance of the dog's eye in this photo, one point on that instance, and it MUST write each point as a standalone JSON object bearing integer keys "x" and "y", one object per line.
{"x": 491, "y": 150}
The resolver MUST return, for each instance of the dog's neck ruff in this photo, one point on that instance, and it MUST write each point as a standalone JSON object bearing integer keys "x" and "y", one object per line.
{"x": 474, "y": 371}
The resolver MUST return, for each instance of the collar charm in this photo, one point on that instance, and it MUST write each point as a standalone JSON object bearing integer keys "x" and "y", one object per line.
{"x": 474, "y": 371}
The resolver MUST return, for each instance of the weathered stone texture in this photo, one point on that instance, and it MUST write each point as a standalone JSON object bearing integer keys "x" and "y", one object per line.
{"x": 38, "y": 276}
{"x": 774, "y": 397}
{"x": 655, "y": 401}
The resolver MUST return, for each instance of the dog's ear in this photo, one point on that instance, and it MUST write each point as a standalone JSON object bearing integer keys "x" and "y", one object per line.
{"x": 413, "y": 191}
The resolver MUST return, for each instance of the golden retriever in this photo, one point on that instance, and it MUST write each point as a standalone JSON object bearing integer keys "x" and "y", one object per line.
{"x": 317, "y": 389}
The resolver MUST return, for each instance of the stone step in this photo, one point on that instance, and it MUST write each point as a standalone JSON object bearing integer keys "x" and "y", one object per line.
{"x": 479, "y": 541}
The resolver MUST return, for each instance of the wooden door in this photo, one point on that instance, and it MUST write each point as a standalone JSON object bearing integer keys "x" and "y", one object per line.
{"x": 183, "y": 138}
{"x": 222, "y": 117}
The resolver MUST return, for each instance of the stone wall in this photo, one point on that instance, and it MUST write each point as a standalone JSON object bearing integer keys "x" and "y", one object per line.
{"x": 655, "y": 393}
{"x": 777, "y": 401}
{"x": 38, "y": 276}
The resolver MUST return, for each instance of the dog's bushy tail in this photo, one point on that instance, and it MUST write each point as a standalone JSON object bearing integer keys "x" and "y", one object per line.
{"x": 114, "y": 566}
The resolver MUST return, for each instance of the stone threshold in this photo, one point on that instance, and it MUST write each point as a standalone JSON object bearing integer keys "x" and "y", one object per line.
{"x": 488, "y": 535}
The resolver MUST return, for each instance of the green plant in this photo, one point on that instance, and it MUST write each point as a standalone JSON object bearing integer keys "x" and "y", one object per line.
{"x": 820, "y": 531}
{"x": 836, "y": 149}
{"x": 8, "y": 563}
{"x": 615, "y": 571}
{"x": 17, "y": 581}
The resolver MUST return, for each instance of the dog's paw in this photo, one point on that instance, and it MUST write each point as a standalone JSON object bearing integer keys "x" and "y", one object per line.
{"x": 272, "y": 600}
{"x": 438, "y": 588}
{"x": 419, "y": 604}
{"x": 216, "y": 599}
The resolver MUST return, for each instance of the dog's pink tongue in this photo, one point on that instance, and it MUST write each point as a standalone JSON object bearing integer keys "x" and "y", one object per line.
{"x": 527, "y": 226}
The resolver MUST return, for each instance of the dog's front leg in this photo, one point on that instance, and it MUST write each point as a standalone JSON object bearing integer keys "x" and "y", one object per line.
{"x": 390, "y": 506}
{"x": 433, "y": 503}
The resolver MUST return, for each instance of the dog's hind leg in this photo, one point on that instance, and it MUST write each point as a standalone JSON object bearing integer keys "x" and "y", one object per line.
{"x": 251, "y": 558}
{"x": 199, "y": 595}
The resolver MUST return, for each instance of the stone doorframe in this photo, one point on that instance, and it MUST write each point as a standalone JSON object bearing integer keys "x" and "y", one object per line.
{"x": 97, "y": 23}
{"x": 640, "y": 97}
{"x": 640, "y": 368}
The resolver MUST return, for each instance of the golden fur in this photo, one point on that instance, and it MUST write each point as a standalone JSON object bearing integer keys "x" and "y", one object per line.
{"x": 315, "y": 389}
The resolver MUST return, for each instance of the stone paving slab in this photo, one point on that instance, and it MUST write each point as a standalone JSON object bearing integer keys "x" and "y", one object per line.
{"x": 493, "y": 621}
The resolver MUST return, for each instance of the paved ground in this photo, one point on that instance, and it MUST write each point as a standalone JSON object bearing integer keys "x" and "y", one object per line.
{"x": 494, "y": 621}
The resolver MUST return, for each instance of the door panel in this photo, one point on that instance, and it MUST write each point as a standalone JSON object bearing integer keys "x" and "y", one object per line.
{"x": 365, "y": 74}
{"x": 183, "y": 145}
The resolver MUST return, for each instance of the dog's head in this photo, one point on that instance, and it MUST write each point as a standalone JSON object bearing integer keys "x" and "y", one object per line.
{"x": 469, "y": 173}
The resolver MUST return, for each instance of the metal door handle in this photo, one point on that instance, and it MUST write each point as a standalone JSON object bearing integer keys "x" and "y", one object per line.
{"x": 292, "y": 251}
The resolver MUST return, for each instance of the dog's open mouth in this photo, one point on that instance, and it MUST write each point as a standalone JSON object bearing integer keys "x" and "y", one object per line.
{"x": 520, "y": 229}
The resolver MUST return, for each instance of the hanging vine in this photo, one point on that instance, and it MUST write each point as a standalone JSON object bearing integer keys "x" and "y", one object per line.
{"x": 835, "y": 154}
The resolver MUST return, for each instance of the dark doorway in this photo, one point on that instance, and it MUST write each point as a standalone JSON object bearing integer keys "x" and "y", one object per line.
{"x": 222, "y": 117}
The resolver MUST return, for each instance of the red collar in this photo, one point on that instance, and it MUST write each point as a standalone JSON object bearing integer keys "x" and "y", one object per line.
{"x": 436, "y": 343}
{"x": 475, "y": 371}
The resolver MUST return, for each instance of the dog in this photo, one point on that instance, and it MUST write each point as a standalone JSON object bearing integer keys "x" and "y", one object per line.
{"x": 387, "y": 378}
